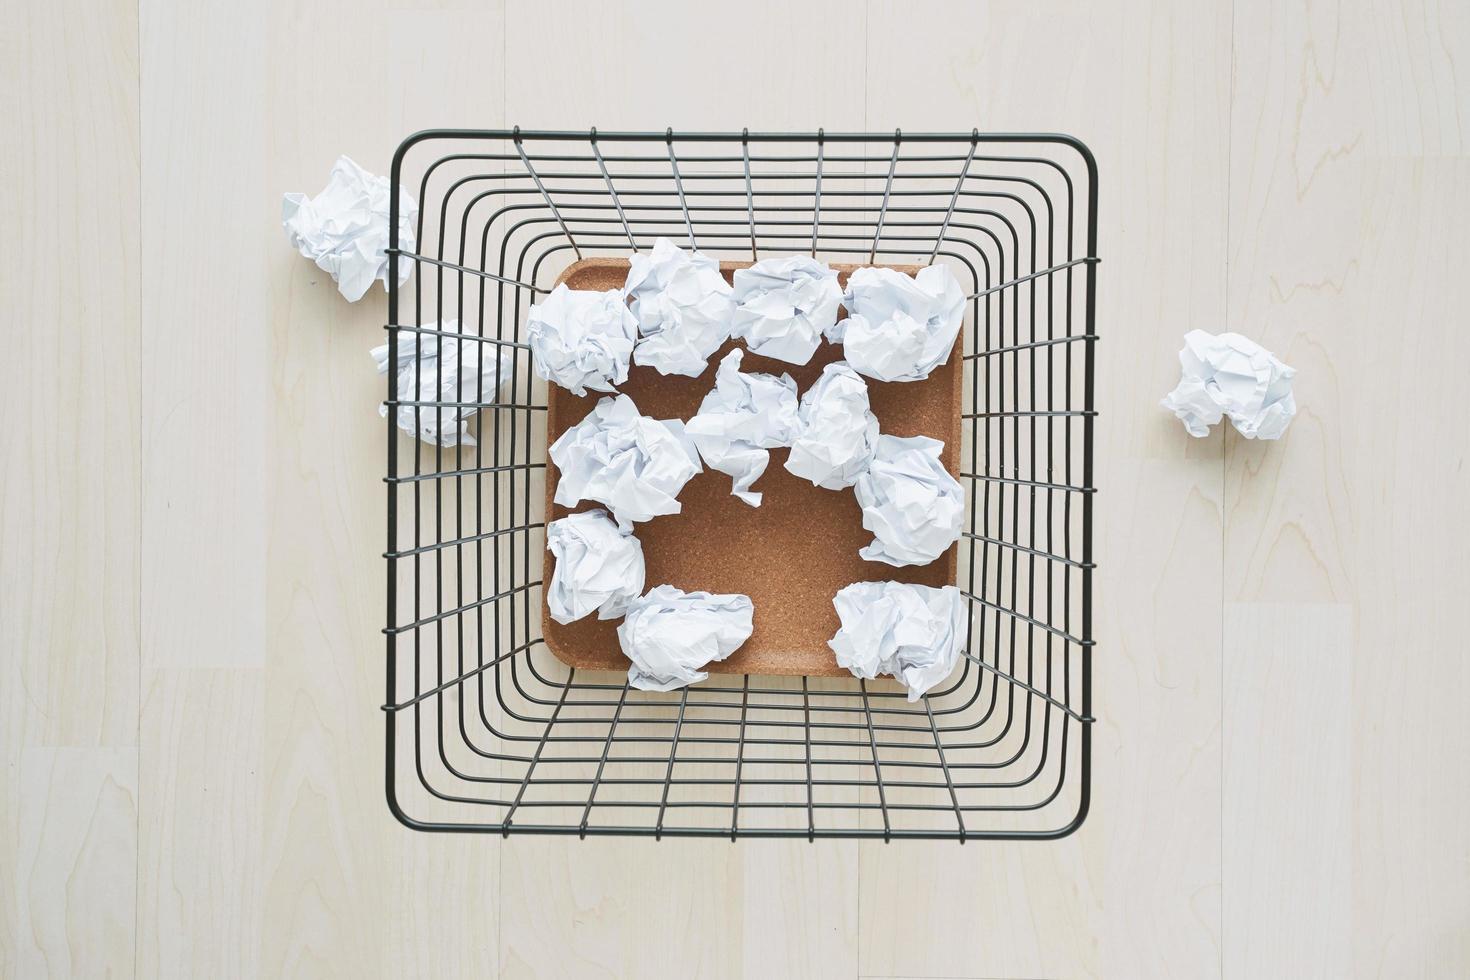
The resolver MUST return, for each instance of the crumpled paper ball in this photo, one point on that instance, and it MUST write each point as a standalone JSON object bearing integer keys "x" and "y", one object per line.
{"x": 598, "y": 567}
{"x": 783, "y": 306}
{"x": 1231, "y": 375}
{"x": 741, "y": 420}
{"x": 453, "y": 375}
{"x": 344, "y": 229}
{"x": 899, "y": 328}
{"x": 634, "y": 465}
{"x": 912, "y": 632}
{"x": 683, "y": 307}
{"x": 913, "y": 506}
{"x": 669, "y": 635}
{"x": 836, "y": 432}
{"x": 581, "y": 338}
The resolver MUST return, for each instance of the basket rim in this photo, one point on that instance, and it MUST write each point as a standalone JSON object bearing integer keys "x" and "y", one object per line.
{"x": 894, "y": 138}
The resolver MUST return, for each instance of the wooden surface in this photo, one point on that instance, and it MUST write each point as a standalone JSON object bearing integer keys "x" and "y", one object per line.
{"x": 191, "y": 510}
{"x": 792, "y": 554}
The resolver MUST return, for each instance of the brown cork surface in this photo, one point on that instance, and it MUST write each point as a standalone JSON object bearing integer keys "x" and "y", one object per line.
{"x": 792, "y": 554}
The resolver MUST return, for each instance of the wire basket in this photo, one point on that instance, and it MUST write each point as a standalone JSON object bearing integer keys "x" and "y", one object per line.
{"x": 486, "y": 731}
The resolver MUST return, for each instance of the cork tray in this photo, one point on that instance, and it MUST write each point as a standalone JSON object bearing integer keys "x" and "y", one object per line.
{"x": 792, "y": 554}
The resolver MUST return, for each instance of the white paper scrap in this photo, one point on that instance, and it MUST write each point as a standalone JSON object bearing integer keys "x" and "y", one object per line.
{"x": 633, "y": 464}
{"x": 899, "y": 328}
{"x": 1231, "y": 375}
{"x": 598, "y": 566}
{"x": 683, "y": 307}
{"x": 914, "y": 508}
{"x": 442, "y": 381}
{"x": 913, "y": 632}
{"x": 581, "y": 338}
{"x": 671, "y": 635}
{"x": 742, "y": 418}
{"x": 836, "y": 432}
{"x": 344, "y": 229}
{"x": 783, "y": 306}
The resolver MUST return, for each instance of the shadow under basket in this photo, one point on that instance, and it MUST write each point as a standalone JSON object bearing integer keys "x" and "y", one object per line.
{"x": 499, "y": 721}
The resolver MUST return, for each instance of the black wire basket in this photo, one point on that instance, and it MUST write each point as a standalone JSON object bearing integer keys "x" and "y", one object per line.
{"x": 488, "y": 732}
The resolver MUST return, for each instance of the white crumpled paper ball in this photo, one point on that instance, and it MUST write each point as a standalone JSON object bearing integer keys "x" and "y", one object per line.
{"x": 633, "y": 464}
{"x": 344, "y": 229}
{"x": 783, "y": 306}
{"x": 670, "y": 635}
{"x": 899, "y": 328}
{"x": 913, "y": 632}
{"x": 836, "y": 432}
{"x": 581, "y": 338}
{"x": 683, "y": 307}
{"x": 598, "y": 567}
{"x": 913, "y": 506}
{"x": 1231, "y": 375}
{"x": 742, "y": 418}
{"x": 450, "y": 377}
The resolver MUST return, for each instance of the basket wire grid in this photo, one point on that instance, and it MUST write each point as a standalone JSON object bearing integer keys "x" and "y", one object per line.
{"x": 486, "y": 731}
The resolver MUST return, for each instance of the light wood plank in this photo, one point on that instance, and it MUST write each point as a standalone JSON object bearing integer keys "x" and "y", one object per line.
{"x": 1288, "y": 790}
{"x": 679, "y": 908}
{"x": 613, "y": 908}
{"x": 700, "y": 69}
{"x": 1348, "y": 180}
{"x": 205, "y": 393}
{"x": 204, "y": 452}
{"x": 75, "y": 867}
{"x": 69, "y": 492}
{"x": 69, "y": 506}
{"x": 200, "y": 823}
{"x": 800, "y": 909}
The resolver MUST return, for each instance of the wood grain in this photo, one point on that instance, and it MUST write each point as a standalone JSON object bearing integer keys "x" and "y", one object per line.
{"x": 77, "y": 862}
{"x": 1349, "y": 186}
{"x": 190, "y": 518}
{"x": 1288, "y": 789}
{"x": 70, "y": 489}
{"x": 200, "y": 813}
